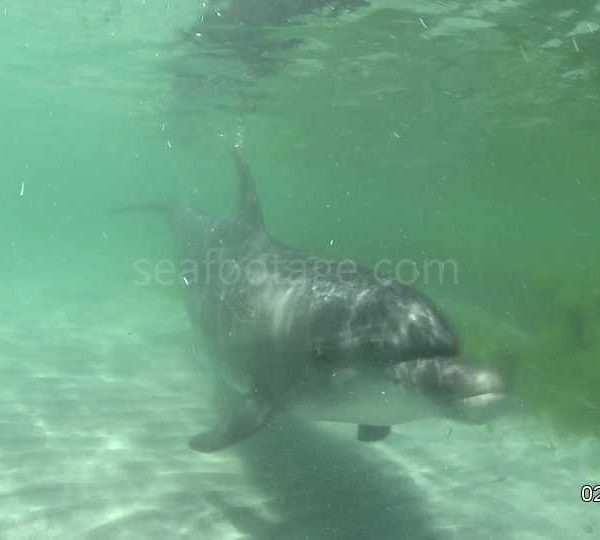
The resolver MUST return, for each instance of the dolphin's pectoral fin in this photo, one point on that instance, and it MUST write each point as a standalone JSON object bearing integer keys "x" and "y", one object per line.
{"x": 373, "y": 433}
{"x": 251, "y": 416}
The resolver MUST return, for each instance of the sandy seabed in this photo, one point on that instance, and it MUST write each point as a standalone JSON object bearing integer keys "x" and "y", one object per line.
{"x": 99, "y": 396}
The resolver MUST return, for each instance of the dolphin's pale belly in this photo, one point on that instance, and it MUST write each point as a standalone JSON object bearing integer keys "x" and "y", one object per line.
{"x": 351, "y": 399}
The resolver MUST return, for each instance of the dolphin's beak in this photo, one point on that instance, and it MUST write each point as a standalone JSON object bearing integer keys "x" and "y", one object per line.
{"x": 465, "y": 391}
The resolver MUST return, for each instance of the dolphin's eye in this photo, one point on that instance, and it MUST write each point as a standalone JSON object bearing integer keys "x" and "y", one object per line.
{"x": 396, "y": 378}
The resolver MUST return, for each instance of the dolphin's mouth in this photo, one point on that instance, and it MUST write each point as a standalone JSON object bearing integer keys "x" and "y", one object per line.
{"x": 481, "y": 407}
{"x": 466, "y": 391}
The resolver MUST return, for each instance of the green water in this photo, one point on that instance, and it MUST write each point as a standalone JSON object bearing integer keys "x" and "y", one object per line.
{"x": 459, "y": 130}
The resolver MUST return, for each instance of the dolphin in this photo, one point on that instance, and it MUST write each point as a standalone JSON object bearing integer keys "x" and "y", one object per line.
{"x": 324, "y": 340}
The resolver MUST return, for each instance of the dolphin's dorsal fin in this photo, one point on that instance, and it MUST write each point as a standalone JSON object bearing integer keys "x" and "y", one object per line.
{"x": 248, "y": 208}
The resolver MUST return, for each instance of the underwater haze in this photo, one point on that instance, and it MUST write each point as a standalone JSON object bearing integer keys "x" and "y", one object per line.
{"x": 460, "y": 135}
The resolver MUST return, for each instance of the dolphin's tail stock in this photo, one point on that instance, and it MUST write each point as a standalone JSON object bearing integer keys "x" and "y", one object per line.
{"x": 166, "y": 210}
{"x": 190, "y": 225}
{"x": 248, "y": 204}
{"x": 161, "y": 208}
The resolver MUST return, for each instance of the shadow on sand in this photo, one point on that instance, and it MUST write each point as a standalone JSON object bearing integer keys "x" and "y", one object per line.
{"x": 317, "y": 485}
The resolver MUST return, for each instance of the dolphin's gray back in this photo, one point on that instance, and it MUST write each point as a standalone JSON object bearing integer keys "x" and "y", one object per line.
{"x": 320, "y": 310}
